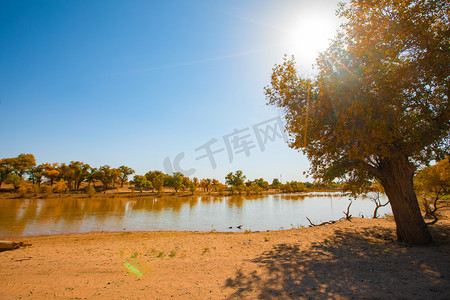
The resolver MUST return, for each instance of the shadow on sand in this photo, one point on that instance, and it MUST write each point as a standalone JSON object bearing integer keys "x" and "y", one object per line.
{"x": 361, "y": 265}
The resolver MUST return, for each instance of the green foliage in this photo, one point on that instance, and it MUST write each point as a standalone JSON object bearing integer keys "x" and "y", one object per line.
{"x": 293, "y": 186}
{"x": 235, "y": 180}
{"x": 255, "y": 188}
{"x": 67, "y": 173}
{"x": 192, "y": 187}
{"x": 14, "y": 179}
{"x": 157, "y": 178}
{"x": 124, "y": 173}
{"x": 220, "y": 190}
{"x": 141, "y": 182}
{"x": 175, "y": 181}
{"x": 74, "y": 173}
{"x": 276, "y": 184}
{"x": 17, "y": 166}
{"x": 36, "y": 173}
{"x": 232, "y": 190}
{"x": 206, "y": 184}
{"x": 106, "y": 175}
{"x": 5, "y": 170}
{"x": 186, "y": 183}
{"x": 261, "y": 183}
{"x": 22, "y": 163}
{"x": 92, "y": 175}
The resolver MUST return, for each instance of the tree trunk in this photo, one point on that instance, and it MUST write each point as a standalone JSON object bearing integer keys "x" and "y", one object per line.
{"x": 397, "y": 179}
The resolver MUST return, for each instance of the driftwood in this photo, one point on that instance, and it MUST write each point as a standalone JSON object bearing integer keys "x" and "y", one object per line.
{"x": 378, "y": 205}
{"x": 347, "y": 214}
{"x": 8, "y": 245}
{"x": 431, "y": 212}
{"x": 323, "y": 223}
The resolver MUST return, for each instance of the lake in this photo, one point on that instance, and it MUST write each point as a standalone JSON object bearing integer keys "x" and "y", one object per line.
{"x": 25, "y": 217}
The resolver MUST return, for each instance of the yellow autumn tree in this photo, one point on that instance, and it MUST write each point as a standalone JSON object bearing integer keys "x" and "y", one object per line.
{"x": 379, "y": 105}
{"x": 433, "y": 182}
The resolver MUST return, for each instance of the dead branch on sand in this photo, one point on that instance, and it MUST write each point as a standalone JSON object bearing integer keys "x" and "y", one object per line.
{"x": 431, "y": 212}
{"x": 378, "y": 204}
{"x": 347, "y": 214}
{"x": 8, "y": 245}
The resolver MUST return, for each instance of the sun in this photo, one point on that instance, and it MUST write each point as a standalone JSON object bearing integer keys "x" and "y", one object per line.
{"x": 308, "y": 36}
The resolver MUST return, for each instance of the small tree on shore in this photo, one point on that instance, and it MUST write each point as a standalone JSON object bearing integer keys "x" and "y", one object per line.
{"x": 60, "y": 187}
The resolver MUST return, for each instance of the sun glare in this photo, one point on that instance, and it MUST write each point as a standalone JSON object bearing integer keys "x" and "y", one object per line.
{"x": 308, "y": 36}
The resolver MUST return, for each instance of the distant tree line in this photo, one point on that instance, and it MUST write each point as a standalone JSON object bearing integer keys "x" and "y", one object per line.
{"x": 23, "y": 172}
{"x": 23, "y": 168}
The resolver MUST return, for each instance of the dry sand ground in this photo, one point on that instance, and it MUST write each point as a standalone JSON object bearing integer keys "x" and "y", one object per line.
{"x": 345, "y": 260}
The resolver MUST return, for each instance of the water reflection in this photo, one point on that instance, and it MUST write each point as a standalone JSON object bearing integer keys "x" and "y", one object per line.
{"x": 194, "y": 213}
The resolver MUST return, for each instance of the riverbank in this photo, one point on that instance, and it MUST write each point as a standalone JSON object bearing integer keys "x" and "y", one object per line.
{"x": 7, "y": 192}
{"x": 347, "y": 259}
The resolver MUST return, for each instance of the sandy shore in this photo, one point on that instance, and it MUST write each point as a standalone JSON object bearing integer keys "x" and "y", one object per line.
{"x": 345, "y": 260}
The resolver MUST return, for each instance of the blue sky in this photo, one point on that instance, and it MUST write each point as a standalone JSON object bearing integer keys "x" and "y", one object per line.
{"x": 137, "y": 82}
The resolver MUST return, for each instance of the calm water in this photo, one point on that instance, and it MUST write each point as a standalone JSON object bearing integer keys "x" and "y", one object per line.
{"x": 24, "y": 217}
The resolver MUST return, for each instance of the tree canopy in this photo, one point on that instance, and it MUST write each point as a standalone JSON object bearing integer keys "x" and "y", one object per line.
{"x": 434, "y": 179}
{"x": 379, "y": 105}
{"x": 235, "y": 180}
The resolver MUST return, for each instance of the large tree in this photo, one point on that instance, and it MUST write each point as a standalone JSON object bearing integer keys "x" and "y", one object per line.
{"x": 235, "y": 180}
{"x": 106, "y": 175}
{"x": 141, "y": 182}
{"x": 124, "y": 173}
{"x": 157, "y": 178}
{"x": 175, "y": 181}
{"x": 80, "y": 172}
{"x": 21, "y": 164}
{"x": 379, "y": 105}
{"x": 5, "y": 170}
{"x": 36, "y": 173}
{"x": 51, "y": 172}
{"x": 67, "y": 173}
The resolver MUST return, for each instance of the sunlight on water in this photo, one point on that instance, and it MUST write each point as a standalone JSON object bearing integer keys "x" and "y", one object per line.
{"x": 24, "y": 217}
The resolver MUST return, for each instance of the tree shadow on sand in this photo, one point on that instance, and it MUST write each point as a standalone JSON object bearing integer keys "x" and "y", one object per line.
{"x": 367, "y": 264}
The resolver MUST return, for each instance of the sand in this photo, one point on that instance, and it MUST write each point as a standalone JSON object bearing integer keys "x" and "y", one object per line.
{"x": 345, "y": 260}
